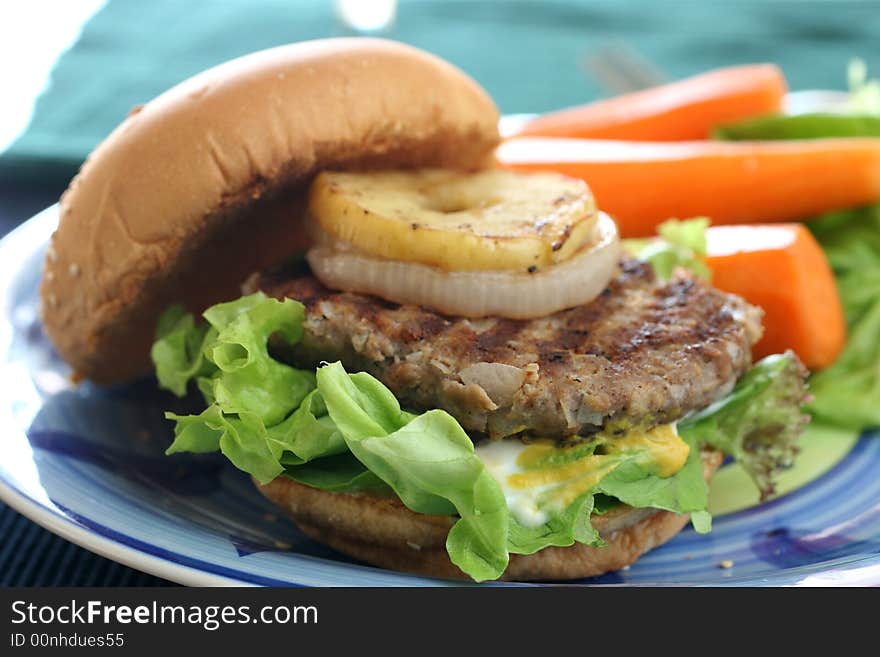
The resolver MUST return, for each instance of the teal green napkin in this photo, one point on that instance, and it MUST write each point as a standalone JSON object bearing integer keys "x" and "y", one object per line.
{"x": 531, "y": 56}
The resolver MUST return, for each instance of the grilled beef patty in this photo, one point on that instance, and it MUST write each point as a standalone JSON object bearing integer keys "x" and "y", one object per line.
{"x": 645, "y": 350}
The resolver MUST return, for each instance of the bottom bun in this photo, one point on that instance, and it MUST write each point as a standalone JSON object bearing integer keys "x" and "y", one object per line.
{"x": 383, "y": 532}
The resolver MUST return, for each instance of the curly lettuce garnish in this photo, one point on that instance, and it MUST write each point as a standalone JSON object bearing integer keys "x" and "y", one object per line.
{"x": 759, "y": 423}
{"x": 848, "y": 393}
{"x": 678, "y": 244}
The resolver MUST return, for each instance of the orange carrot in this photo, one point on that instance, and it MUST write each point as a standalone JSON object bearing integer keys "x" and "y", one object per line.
{"x": 782, "y": 269}
{"x": 683, "y": 110}
{"x": 643, "y": 184}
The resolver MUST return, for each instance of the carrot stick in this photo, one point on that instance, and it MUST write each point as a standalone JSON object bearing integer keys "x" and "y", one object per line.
{"x": 782, "y": 269}
{"x": 643, "y": 184}
{"x": 683, "y": 110}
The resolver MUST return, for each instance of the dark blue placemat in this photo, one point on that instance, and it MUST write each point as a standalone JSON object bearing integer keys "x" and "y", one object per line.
{"x": 32, "y": 556}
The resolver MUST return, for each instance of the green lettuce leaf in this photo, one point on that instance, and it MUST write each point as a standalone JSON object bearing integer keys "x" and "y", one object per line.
{"x": 196, "y": 433}
{"x": 561, "y": 529}
{"x": 341, "y": 473}
{"x": 569, "y": 524}
{"x": 242, "y": 438}
{"x": 602, "y": 504}
{"x": 251, "y": 396}
{"x": 308, "y": 433}
{"x": 178, "y": 350}
{"x": 684, "y": 492}
{"x": 759, "y": 422}
{"x": 428, "y": 460}
{"x": 250, "y": 380}
{"x": 848, "y": 393}
{"x": 679, "y": 244}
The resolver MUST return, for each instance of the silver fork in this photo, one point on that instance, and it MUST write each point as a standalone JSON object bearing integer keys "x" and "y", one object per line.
{"x": 620, "y": 68}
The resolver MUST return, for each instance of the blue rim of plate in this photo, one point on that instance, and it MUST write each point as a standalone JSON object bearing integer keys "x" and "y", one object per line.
{"x": 224, "y": 533}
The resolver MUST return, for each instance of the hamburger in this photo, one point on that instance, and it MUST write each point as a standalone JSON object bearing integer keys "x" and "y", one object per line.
{"x": 430, "y": 364}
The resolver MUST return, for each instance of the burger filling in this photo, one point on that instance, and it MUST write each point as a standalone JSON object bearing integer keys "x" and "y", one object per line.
{"x": 521, "y": 428}
{"x": 347, "y": 433}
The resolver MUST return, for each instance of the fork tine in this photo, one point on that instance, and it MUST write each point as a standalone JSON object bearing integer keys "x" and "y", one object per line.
{"x": 620, "y": 68}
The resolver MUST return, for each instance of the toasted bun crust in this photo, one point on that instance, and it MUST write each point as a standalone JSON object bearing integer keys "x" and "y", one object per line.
{"x": 383, "y": 532}
{"x": 202, "y": 186}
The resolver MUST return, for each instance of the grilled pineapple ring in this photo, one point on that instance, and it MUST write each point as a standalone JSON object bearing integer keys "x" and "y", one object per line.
{"x": 489, "y": 220}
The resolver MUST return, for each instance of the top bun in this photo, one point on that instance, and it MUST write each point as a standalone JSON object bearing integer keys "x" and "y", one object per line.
{"x": 203, "y": 185}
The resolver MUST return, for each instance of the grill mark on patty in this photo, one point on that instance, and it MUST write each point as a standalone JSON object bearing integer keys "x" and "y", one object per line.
{"x": 644, "y": 349}
{"x": 497, "y": 338}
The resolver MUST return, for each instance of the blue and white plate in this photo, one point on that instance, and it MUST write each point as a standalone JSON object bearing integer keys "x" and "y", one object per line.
{"x": 88, "y": 464}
